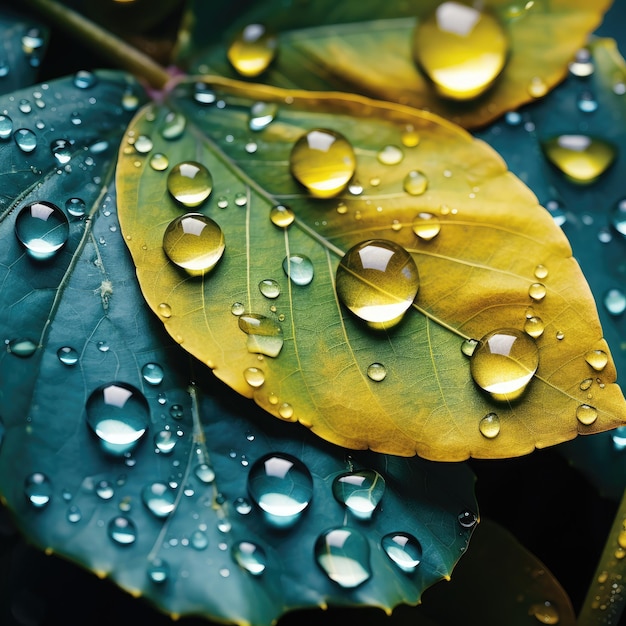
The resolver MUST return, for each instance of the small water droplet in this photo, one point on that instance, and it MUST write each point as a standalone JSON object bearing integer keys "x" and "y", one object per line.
{"x": 24, "y": 106}
{"x": 582, "y": 65}
{"x": 415, "y": 183}
{"x": 468, "y": 346}
{"x": 541, "y": 272}
{"x": 242, "y": 506}
{"x": 119, "y": 416}
{"x": 282, "y": 216}
{"x": 254, "y": 376}
{"x": 203, "y": 93}
{"x": 159, "y": 498}
{"x": 174, "y": 126}
{"x": 618, "y": 216}
{"x": 165, "y": 310}
{"x": 165, "y": 441}
{"x": 299, "y": 269}
{"x": 237, "y": 308}
{"x": 122, "y": 530}
{"x": 619, "y": 437}
{"x": 67, "y": 355}
{"x": 6, "y": 127}
{"x": 377, "y": 372}
{"x": 205, "y": 473}
{"x": 75, "y": 118}
{"x": 265, "y": 336}
{"x": 359, "y": 491}
{"x": 513, "y": 118}
{"x": 23, "y": 348}
{"x": 152, "y": 373}
{"x": 281, "y": 486}
{"x": 25, "y": 139}
{"x": 390, "y": 155}
{"x": 104, "y": 490}
{"x": 545, "y": 613}
{"x": 377, "y": 280}
{"x": 504, "y": 362}
{"x": 269, "y": 288}
{"x": 615, "y": 301}
{"x": 489, "y": 426}
{"x": 404, "y": 550}
{"x": 534, "y": 326}
{"x": 38, "y": 489}
{"x": 344, "y": 554}
{"x": 586, "y": 414}
{"x": 73, "y": 514}
{"x": 42, "y": 228}
{"x": 537, "y": 291}
{"x": 190, "y": 183}
{"x": 598, "y": 359}
{"x": 143, "y": 144}
{"x": 410, "y": 137}
{"x": 467, "y": 519}
{"x": 587, "y": 102}
{"x": 250, "y": 557}
{"x": 461, "y": 49}
{"x": 199, "y": 540}
{"x": 323, "y": 161}
{"x": 194, "y": 242}
{"x": 586, "y": 384}
{"x": 75, "y": 207}
{"x": 537, "y": 87}
{"x": 252, "y": 50}
{"x": 159, "y": 162}
{"x": 262, "y": 114}
{"x": 103, "y": 346}
{"x": 84, "y": 79}
{"x": 426, "y": 226}
{"x": 285, "y": 410}
{"x": 158, "y": 571}
{"x": 4, "y": 68}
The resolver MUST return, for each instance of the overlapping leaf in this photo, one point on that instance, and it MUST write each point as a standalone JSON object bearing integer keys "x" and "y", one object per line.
{"x": 365, "y": 47}
{"x": 475, "y": 275}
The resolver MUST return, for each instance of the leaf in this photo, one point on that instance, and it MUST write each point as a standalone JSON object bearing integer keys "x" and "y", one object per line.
{"x": 366, "y": 48}
{"x": 76, "y": 324}
{"x": 475, "y": 276}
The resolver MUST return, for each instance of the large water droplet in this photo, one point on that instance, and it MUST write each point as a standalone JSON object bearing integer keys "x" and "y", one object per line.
{"x": 118, "y": 414}
{"x": 252, "y": 50}
{"x": 269, "y": 288}
{"x": 38, "y": 489}
{"x": 359, "y": 491}
{"x": 158, "y": 571}
{"x": 262, "y": 114}
{"x": 6, "y": 127}
{"x": 426, "y": 226}
{"x": 504, "y": 362}
{"x": 415, "y": 183}
{"x": 122, "y": 530}
{"x": 489, "y": 426}
{"x": 281, "y": 486}
{"x": 159, "y": 498}
{"x": 461, "y": 49}
{"x": 194, "y": 242}
{"x": 22, "y": 347}
{"x": 25, "y": 139}
{"x": 323, "y": 161}
{"x": 250, "y": 556}
{"x": 42, "y": 228}
{"x": 152, "y": 373}
{"x": 299, "y": 269}
{"x": 190, "y": 183}
{"x": 265, "y": 336}
{"x": 404, "y": 550}
{"x": 580, "y": 157}
{"x": 377, "y": 280}
{"x": 344, "y": 554}
{"x": 598, "y": 359}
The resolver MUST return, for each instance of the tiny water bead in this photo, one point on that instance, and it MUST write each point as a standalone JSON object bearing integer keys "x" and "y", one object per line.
{"x": 190, "y": 183}
{"x": 582, "y": 158}
{"x": 118, "y": 414}
{"x": 42, "y": 228}
{"x": 152, "y": 373}
{"x": 242, "y": 506}
{"x": 25, "y": 139}
{"x": 122, "y": 530}
{"x": 534, "y": 326}
{"x": 73, "y": 514}
{"x": 582, "y": 65}
{"x": 404, "y": 550}
{"x": 104, "y": 490}
{"x": 22, "y": 347}
{"x": 269, "y": 288}
{"x": 281, "y": 486}
{"x": 299, "y": 268}
{"x": 587, "y": 102}
{"x": 158, "y": 571}
{"x": 615, "y": 301}
{"x": 376, "y": 372}
{"x": 159, "y": 498}
{"x": 597, "y": 359}
{"x": 504, "y": 362}
{"x": 6, "y": 127}
{"x": 415, "y": 183}
{"x": 194, "y": 243}
{"x": 390, "y": 155}
{"x": 75, "y": 207}
{"x": 344, "y": 555}
{"x": 461, "y": 49}
{"x": 250, "y": 557}
{"x": 618, "y": 435}
{"x": 67, "y": 355}
{"x": 360, "y": 491}
{"x": 252, "y": 50}
{"x": 265, "y": 336}
{"x": 489, "y": 426}
{"x": 377, "y": 280}
{"x": 426, "y": 226}
{"x": 38, "y": 489}
{"x": 467, "y": 519}
{"x": 586, "y": 414}
{"x": 262, "y": 114}
{"x": 537, "y": 87}
{"x": 323, "y": 161}
{"x": 282, "y": 216}
{"x": 165, "y": 310}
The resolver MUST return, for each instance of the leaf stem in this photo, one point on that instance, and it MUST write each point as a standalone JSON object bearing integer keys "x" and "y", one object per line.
{"x": 118, "y": 51}
{"x": 606, "y": 595}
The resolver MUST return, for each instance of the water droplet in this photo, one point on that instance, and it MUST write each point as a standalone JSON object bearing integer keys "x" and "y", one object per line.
{"x": 25, "y": 139}
{"x": 262, "y": 114}
{"x": 344, "y": 554}
{"x": 461, "y": 49}
{"x": 299, "y": 269}
{"x": 38, "y": 489}
{"x": 615, "y": 301}
{"x": 73, "y": 514}
{"x": 250, "y": 556}
{"x": 468, "y": 346}
{"x": 426, "y": 226}
{"x": 158, "y": 571}
{"x": 415, "y": 183}
{"x": 118, "y": 414}
{"x": 237, "y": 308}
{"x": 22, "y": 347}
{"x": 377, "y": 280}
{"x": 586, "y": 414}
{"x": 504, "y": 362}
{"x": 619, "y": 437}
{"x": 377, "y": 372}
{"x": 541, "y": 272}
{"x": 390, "y": 155}
{"x": 75, "y": 207}
{"x": 242, "y": 506}
{"x": 84, "y": 79}
{"x": 122, "y": 530}
{"x": 194, "y": 242}
{"x": 241, "y": 199}
{"x": 6, "y": 127}
{"x": 25, "y": 106}
{"x": 199, "y": 540}
{"x": 537, "y": 87}
{"x": 252, "y": 50}
{"x": 467, "y": 519}
{"x": 165, "y": 441}
{"x": 67, "y": 355}
{"x": 205, "y": 473}
{"x": 323, "y": 161}
{"x": 103, "y": 346}
{"x": 360, "y": 491}
{"x": 159, "y": 162}
{"x": 269, "y": 288}
{"x": 281, "y": 486}
{"x": 42, "y": 228}
{"x": 534, "y": 326}
{"x": 165, "y": 310}
{"x": 254, "y": 376}
{"x": 285, "y": 410}
{"x": 282, "y": 216}
{"x": 174, "y": 126}
{"x": 143, "y": 144}
{"x": 190, "y": 183}
{"x": 537, "y": 291}
{"x": 580, "y": 157}
{"x": 159, "y": 498}
{"x": 545, "y": 613}
{"x": 489, "y": 426}
{"x": 104, "y": 490}
{"x": 203, "y": 94}
{"x": 75, "y": 118}
{"x": 152, "y": 373}
{"x": 587, "y": 102}
{"x": 410, "y": 138}
{"x": 404, "y": 550}
{"x": 598, "y": 359}
{"x": 618, "y": 216}
{"x": 265, "y": 336}
{"x": 513, "y": 118}
{"x": 582, "y": 65}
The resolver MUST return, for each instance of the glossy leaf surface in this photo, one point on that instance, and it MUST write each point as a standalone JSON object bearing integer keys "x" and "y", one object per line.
{"x": 492, "y": 249}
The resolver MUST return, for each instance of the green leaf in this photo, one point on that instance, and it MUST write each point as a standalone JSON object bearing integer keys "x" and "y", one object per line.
{"x": 487, "y": 247}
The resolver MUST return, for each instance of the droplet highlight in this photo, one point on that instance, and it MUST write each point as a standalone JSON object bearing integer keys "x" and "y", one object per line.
{"x": 586, "y": 414}
{"x": 38, "y": 489}
{"x": 489, "y": 426}
{"x": 159, "y": 499}
{"x": 152, "y": 373}
{"x": 122, "y": 530}
{"x": 415, "y": 183}
{"x": 597, "y": 359}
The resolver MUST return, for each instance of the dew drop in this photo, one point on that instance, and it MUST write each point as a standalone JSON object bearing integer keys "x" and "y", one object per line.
{"x": 242, "y": 506}
{"x": 537, "y": 291}
{"x": 84, "y": 79}
{"x": 343, "y": 554}
{"x": 67, "y": 355}
{"x": 359, "y": 491}
{"x": 194, "y": 243}
{"x": 143, "y": 144}
{"x": 580, "y": 157}
{"x": 42, "y": 228}
{"x": 285, "y": 410}
{"x": 75, "y": 207}
{"x": 619, "y": 437}
{"x": 159, "y": 162}
{"x": 534, "y": 326}
{"x": 615, "y": 301}
{"x": 282, "y": 216}
{"x": 503, "y": 363}
{"x": 598, "y": 359}
{"x": 252, "y": 50}
{"x": 38, "y": 489}
{"x": 262, "y": 114}
{"x": 545, "y": 613}
{"x": 426, "y": 226}
{"x": 390, "y": 155}
{"x": 587, "y": 102}
{"x": 25, "y": 106}
{"x": 281, "y": 486}
{"x": 377, "y": 280}
{"x": 159, "y": 498}
{"x": 74, "y": 514}
{"x": 299, "y": 269}
{"x": 410, "y": 138}
{"x": 250, "y": 557}
{"x": 586, "y": 414}
{"x": 174, "y": 126}
{"x": 537, "y": 87}
{"x": 119, "y": 416}
{"x": 489, "y": 426}
{"x": 377, "y": 372}
{"x": 6, "y": 127}
{"x": 254, "y": 376}
{"x": 104, "y": 490}
{"x": 165, "y": 310}
{"x": 468, "y": 346}
{"x": 404, "y": 550}
{"x": 265, "y": 336}
{"x": 25, "y": 139}
{"x": 467, "y": 519}
{"x": 582, "y": 65}
{"x": 203, "y": 94}
{"x": 103, "y": 346}
{"x": 205, "y": 473}
{"x": 237, "y": 308}
{"x": 122, "y": 530}
{"x": 415, "y": 183}
{"x": 158, "y": 571}
{"x": 461, "y": 49}
{"x": 199, "y": 540}
{"x": 152, "y": 373}
{"x": 269, "y": 288}
{"x": 23, "y": 348}
{"x": 323, "y": 161}
{"x": 618, "y": 216}
{"x": 165, "y": 441}
{"x": 541, "y": 272}
{"x": 190, "y": 183}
